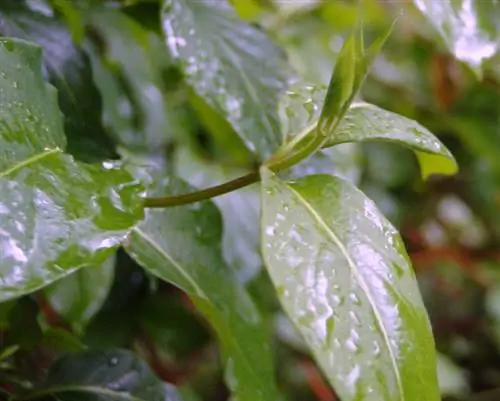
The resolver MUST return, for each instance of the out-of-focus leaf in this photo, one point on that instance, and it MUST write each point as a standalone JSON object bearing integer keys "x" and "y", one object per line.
{"x": 24, "y": 328}
{"x": 61, "y": 340}
{"x": 72, "y": 16}
{"x": 174, "y": 330}
{"x": 343, "y": 161}
{"x": 367, "y": 122}
{"x": 452, "y": 379}
{"x": 104, "y": 376}
{"x": 240, "y": 210}
{"x": 110, "y": 327}
{"x": 469, "y": 28}
{"x": 56, "y": 214}
{"x": 344, "y": 278}
{"x": 232, "y": 65}
{"x": 79, "y": 296}
{"x": 135, "y": 100}
{"x": 182, "y": 245}
{"x": 67, "y": 67}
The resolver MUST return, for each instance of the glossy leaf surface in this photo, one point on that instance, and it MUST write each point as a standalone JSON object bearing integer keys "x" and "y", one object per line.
{"x": 182, "y": 246}
{"x": 232, "y": 65}
{"x": 67, "y": 67}
{"x": 105, "y": 376}
{"x": 56, "y": 215}
{"x": 365, "y": 122}
{"x": 469, "y": 28}
{"x": 344, "y": 278}
{"x": 78, "y": 297}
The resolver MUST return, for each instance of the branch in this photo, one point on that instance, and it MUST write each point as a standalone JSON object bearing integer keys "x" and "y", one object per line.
{"x": 208, "y": 193}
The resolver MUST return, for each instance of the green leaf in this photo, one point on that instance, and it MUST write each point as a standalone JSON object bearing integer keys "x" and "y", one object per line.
{"x": 365, "y": 122}
{"x": 79, "y": 296}
{"x": 344, "y": 278}
{"x": 232, "y": 65}
{"x": 175, "y": 331}
{"x": 351, "y": 68}
{"x": 135, "y": 100}
{"x": 240, "y": 210}
{"x": 104, "y": 376}
{"x": 67, "y": 67}
{"x": 182, "y": 246}
{"x": 56, "y": 214}
{"x": 469, "y": 28}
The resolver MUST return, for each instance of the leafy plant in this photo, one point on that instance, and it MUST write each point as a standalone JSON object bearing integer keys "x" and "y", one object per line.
{"x": 136, "y": 159}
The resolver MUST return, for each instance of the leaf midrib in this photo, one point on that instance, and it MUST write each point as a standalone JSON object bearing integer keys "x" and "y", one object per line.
{"x": 30, "y": 160}
{"x": 359, "y": 277}
{"x": 235, "y": 343}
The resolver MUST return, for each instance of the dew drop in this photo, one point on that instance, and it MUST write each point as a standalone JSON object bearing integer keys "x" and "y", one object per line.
{"x": 113, "y": 361}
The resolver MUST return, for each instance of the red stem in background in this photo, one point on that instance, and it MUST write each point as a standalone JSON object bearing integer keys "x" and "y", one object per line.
{"x": 316, "y": 382}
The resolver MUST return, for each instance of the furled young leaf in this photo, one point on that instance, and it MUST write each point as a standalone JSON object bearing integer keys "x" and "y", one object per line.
{"x": 469, "y": 28}
{"x": 232, "y": 65}
{"x": 79, "y": 296}
{"x": 182, "y": 245}
{"x": 351, "y": 68}
{"x": 104, "y": 376}
{"x": 135, "y": 100}
{"x": 344, "y": 278}
{"x": 67, "y": 67}
{"x": 314, "y": 127}
{"x": 56, "y": 215}
{"x": 364, "y": 122}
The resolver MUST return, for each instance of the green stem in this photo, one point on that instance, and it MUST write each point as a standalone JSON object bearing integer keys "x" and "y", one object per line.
{"x": 212, "y": 192}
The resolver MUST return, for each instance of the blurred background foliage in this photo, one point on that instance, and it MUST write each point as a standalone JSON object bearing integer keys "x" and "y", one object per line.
{"x": 451, "y": 225}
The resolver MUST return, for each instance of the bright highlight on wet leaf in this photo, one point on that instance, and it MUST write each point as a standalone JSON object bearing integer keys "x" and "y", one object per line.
{"x": 366, "y": 122}
{"x": 469, "y": 28}
{"x": 182, "y": 245}
{"x": 56, "y": 214}
{"x": 232, "y": 65}
{"x": 343, "y": 277}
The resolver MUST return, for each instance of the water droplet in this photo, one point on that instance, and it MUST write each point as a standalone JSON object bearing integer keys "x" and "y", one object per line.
{"x": 354, "y": 298}
{"x": 113, "y": 361}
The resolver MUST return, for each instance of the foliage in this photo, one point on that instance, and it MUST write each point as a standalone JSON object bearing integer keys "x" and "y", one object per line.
{"x": 210, "y": 200}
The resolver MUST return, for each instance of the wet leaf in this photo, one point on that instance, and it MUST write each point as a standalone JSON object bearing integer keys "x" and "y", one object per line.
{"x": 344, "y": 279}
{"x": 78, "y": 297}
{"x": 182, "y": 246}
{"x": 312, "y": 128}
{"x": 469, "y": 28}
{"x": 104, "y": 376}
{"x": 66, "y": 65}
{"x": 56, "y": 214}
{"x": 232, "y": 65}
{"x": 365, "y": 122}
{"x": 351, "y": 68}
{"x": 135, "y": 100}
